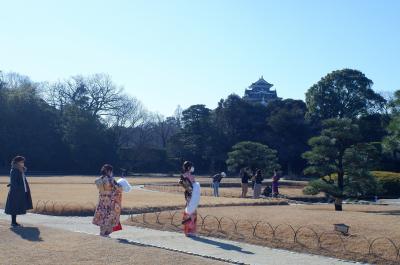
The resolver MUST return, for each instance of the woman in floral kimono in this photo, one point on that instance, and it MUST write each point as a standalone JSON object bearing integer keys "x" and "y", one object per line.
{"x": 108, "y": 209}
{"x": 192, "y": 197}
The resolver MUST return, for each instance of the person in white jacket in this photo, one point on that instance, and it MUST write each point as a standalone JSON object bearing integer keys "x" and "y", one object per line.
{"x": 192, "y": 197}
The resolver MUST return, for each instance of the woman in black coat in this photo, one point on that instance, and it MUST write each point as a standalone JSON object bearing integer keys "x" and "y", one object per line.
{"x": 19, "y": 196}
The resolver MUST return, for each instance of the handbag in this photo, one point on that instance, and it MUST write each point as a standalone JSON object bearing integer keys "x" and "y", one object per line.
{"x": 117, "y": 227}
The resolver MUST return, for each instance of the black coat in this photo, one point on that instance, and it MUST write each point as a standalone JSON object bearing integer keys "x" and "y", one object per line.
{"x": 18, "y": 201}
{"x": 217, "y": 178}
{"x": 259, "y": 178}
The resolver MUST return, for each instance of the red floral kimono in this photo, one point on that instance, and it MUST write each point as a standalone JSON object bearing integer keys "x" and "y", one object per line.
{"x": 108, "y": 209}
{"x": 190, "y": 226}
{"x": 189, "y": 220}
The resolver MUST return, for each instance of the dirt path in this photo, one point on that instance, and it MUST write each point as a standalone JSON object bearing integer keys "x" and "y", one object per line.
{"x": 47, "y": 246}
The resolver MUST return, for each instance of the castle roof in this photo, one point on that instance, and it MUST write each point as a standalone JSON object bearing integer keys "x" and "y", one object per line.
{"x": 261, "y": 83}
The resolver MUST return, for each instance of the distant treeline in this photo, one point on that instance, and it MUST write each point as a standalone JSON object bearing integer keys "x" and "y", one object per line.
{"x": 82, "y": 122}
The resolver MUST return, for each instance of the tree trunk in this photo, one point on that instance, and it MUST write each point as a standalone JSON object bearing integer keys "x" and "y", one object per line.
{"x": 340, "y": 180}
{"x": 338, "y": 204}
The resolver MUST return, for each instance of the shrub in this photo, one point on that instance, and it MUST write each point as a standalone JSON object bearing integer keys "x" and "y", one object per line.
{"x": 389, "y": 183}
{"x": 253, "y": 155}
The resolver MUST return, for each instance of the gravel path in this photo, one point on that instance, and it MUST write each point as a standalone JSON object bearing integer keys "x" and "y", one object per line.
{"x": 218, "y": 249}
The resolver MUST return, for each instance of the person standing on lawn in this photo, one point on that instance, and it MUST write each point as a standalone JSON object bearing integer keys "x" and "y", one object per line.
{"x": 216, "y": 181}
{"x": 108, "y": 209}
{"x": 253, "y": 180}
{"x": 275, "y": 184}
{"x": 258, "y": 178}
{"x": 192, "y": 197}
{"x": 19, "y": 198}
{"x": 244, "y": 176}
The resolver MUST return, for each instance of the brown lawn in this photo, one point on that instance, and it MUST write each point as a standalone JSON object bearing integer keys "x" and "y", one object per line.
{"x": 288, "y": 191}
{"x": 368, "y": 220}
{"x": 366, "y": 223}
{"x": 90, "y": 179}
{"x": 136, "y": 180}
{"x": 75, "y": 193}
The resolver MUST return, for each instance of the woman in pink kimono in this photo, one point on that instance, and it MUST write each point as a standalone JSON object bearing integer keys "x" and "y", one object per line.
{"x": 192, "y": 197}
{"x": 108, "y": 209}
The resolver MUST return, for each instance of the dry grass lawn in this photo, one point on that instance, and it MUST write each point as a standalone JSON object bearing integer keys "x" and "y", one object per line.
{"x": 366, "y": 223}
{"x": 136, "y": 180}
{"x": 74, "y": 193}
{"x": 46, "y": 246}
{"x": 90, "y": 180}
{"x": 288, "y": 191}
{"x": 369, "y": 220}
{"x": 133, "y": 180}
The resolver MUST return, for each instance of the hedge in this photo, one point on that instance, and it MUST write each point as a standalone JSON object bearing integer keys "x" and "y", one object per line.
{"x": 389, "y": 183}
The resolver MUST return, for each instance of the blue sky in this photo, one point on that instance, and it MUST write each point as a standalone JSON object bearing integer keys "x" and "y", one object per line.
{"x": 196, "y": 52}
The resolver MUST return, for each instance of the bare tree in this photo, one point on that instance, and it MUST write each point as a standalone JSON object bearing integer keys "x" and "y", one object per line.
{"x": 103, "y": 95}
{"x": 141, "y": 134}
{"x": 165, "y": 128}
{"x": 127, "y": 113}
{"x": 96, "y": 93}
{"x": 178, "y": 115}
{"x": 14, "y": 81}
{"x": 2, "y": 81}
{"x": 99, "y": 95}
{"x": 70, "y": 91}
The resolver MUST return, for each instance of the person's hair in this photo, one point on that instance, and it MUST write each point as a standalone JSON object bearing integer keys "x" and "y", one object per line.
{"x": 17, "y": 159}
{"x": 258, "y": 171}
{"x": 106, "y": 168}
{"x": 186, "y": 166}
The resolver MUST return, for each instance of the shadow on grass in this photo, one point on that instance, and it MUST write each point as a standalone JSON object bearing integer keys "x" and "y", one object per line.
{"x": 128, "y": 242}
{"x": 27, "y": 233}
{"x": 389, "y": 212}
{"x": 224, "y": 246}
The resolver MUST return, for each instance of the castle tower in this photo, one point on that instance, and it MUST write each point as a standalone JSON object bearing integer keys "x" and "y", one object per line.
{"x": 260, "y": 92}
